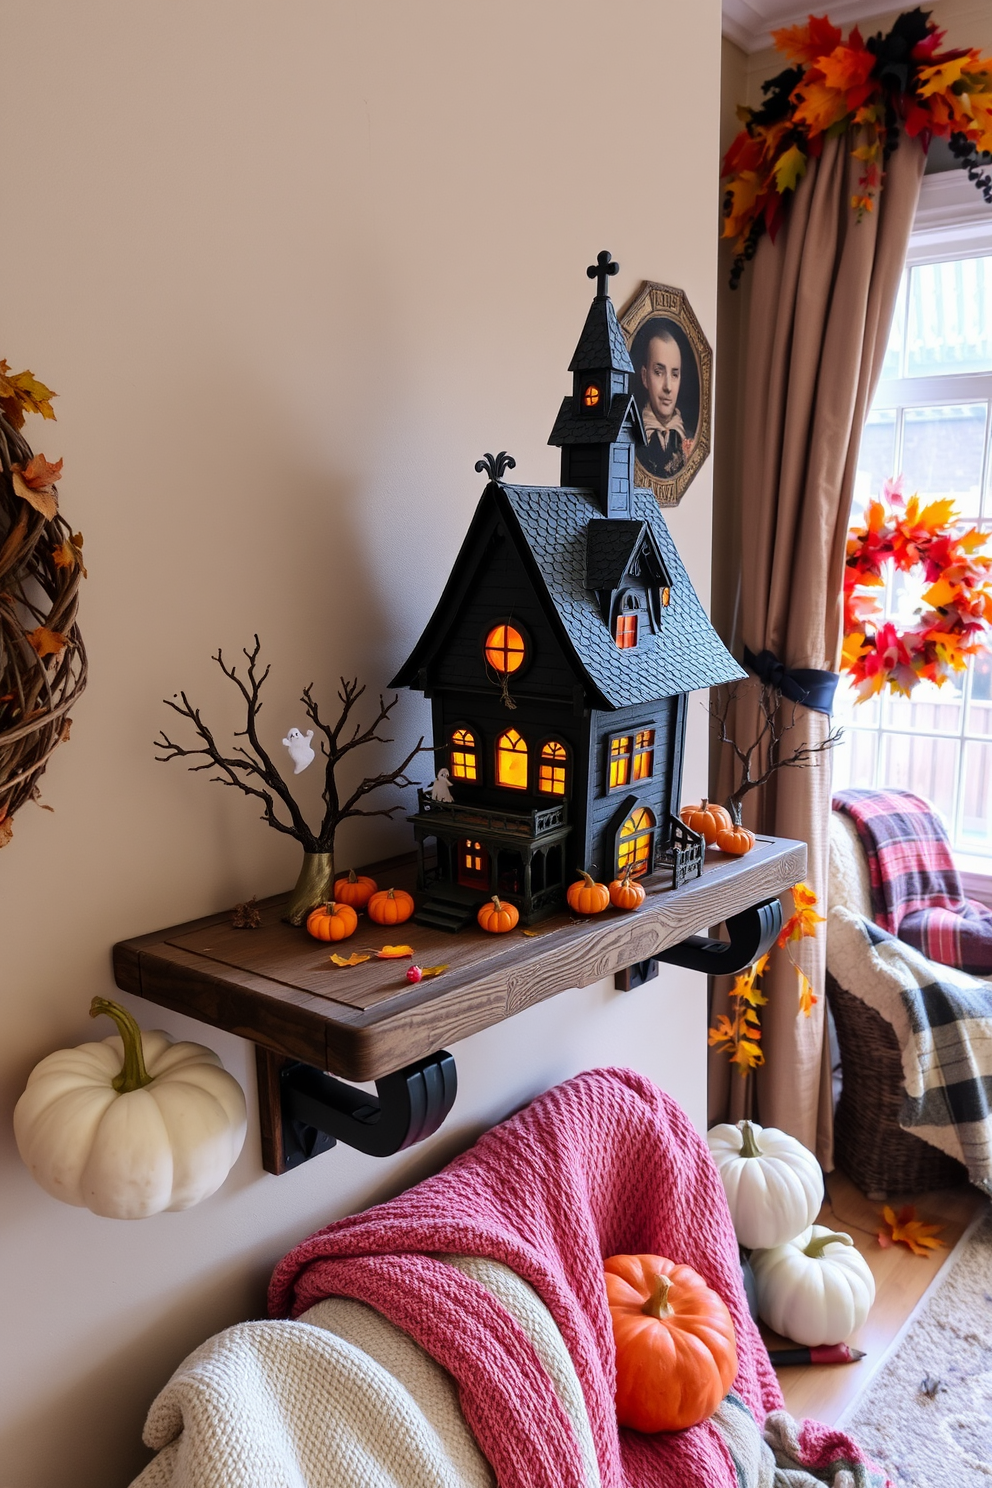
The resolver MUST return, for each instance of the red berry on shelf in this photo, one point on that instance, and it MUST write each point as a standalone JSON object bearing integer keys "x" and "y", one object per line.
{"x": 414, "y": 974}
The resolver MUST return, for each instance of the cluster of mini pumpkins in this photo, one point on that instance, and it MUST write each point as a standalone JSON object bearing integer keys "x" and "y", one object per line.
{"x": 812, "y": 1284}
{"x": 338, "y": 919}
{"x": 717, "y": 828}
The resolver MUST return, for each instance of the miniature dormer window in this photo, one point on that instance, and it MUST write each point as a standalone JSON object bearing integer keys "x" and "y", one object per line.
{"x": 551, "y": 774}
{"x": 635, "y": 843}
{"x": 625, "y": 632}
{"x": 511, "y": 760}
{"x": 644, "y": 754}
{"x": 464, "y": 755}
{"x": 505, "y": 649}
{"x": 592, "y": 398}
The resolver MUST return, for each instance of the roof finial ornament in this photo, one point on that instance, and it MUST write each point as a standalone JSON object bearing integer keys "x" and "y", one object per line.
{"x": 496, "y": 465}
{"x": 603, "y": 269}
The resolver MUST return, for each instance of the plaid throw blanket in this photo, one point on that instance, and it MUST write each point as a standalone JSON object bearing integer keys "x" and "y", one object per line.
{"x": 915, "y": 887}
{"x": 943, "y": 1022}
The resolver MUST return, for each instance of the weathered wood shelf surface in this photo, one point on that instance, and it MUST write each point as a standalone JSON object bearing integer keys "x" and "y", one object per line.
{"x": 277, "y": 987}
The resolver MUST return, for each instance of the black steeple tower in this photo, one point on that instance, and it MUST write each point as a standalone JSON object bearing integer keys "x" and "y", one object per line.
{"x": 598, "y": 427}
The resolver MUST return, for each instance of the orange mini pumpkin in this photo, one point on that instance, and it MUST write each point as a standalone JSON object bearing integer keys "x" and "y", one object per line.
{"x": 332, "y": 922}
{"x": 707, "y": 819}
{"x": 676, "y": 1349}
{"x": 735, "y": 840}
{"x": 625, "y": 893}
{"x": 586, "y": 896}
{"x": 498, "y": 917}
{"x": 390, "y": 906}
{"x": 354, "y": 890}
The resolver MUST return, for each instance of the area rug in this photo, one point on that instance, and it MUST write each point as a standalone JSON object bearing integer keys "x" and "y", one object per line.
{"x": 927, "y": 1416}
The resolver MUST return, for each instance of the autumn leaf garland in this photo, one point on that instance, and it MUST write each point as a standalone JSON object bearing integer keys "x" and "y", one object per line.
{"x": 878, "y": 87}
{"x": 740, "y": 1036}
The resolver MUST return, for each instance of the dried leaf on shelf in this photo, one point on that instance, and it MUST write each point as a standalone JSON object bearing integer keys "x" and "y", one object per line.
{"x": 393, "y": 953}
{"x": 531, "y": 934}
{"x": 247, "y": 916}
{"x": 433, "y": 971}
{"x": 355, "y": 959}
{"x": 905, "y": 1229}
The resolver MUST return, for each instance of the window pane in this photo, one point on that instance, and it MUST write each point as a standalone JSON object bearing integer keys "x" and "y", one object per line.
{"x": 976, "y": 806}
{"x": 892, "y": 365}
{"x": 950, "y": 318}
{"x": 980, "y": 702}
{"x": 876, "y": 460}
{"x": 849, "y": 713}
{"x": 931, "y": 709}
{"x": 927, "y": 767}
{"x": 854, "y": 760}
{"x": 942, "y": 453}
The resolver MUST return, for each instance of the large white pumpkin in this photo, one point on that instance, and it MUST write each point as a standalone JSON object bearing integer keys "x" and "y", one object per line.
{"x": 130, "y": 1126}
{"x": 815, "y": 1289}
{"x": 774, "y": 1186}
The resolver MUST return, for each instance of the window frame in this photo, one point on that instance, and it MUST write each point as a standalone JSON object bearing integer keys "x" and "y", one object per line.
{"x": 500, "y": 782}
{"x": 565, "y": 766}
{"x": 627, "y": 755}
{"x": 651, "y": 832}
{"x": 508, "y": 623}
{"x": 950, "y": 225}
{"x": 476, "y": 751}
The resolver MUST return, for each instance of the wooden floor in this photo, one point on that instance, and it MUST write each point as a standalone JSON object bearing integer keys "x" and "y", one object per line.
{"x": 901, "y": 1279}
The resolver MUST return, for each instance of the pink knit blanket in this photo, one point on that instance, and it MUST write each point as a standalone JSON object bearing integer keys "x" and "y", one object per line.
{"x": 602, "y": 1165}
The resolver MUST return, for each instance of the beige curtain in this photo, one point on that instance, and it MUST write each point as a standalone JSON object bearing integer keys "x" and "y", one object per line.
{"x": 821, "y": 304}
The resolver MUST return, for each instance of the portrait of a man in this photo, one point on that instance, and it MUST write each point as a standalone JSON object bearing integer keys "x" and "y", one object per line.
{"x": 673, "y": 369}
{"x": 668, "y": 395}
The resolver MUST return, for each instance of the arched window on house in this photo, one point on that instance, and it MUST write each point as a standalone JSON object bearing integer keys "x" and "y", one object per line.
{"x": 511, "y": 760}
{"x": 552, "y": 774}
{"x": 635, "y": 843}
{"x": 464, "y": 755}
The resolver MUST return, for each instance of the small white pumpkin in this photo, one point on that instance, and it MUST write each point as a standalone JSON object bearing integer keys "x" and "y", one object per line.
{"x": 130, "y": 1126}
{"x": 815, "y": 1289}
{"x": 774, "y": 1186}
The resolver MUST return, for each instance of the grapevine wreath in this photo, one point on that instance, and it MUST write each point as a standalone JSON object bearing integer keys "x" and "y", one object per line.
{"x": 42, "y": 661}
{"x": 955, "y": 624}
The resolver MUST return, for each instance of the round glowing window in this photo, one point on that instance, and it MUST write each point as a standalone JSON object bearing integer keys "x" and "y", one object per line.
{"x": 504, "y": 648}
{"x": 590, "y": 397}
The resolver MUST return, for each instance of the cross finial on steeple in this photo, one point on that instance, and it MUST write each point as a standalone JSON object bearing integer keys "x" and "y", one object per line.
{"x": 603, "y": 269}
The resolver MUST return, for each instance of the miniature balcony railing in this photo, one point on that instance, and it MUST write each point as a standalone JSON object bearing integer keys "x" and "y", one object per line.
{"x": 524, "y": 824}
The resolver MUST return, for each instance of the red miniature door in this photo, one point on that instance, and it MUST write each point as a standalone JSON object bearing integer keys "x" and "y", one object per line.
{"x": 473, "y": 864}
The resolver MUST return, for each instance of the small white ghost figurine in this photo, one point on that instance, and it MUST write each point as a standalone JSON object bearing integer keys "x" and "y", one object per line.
{"x": 299, "y": 749}
{"x": 441, "y": 789}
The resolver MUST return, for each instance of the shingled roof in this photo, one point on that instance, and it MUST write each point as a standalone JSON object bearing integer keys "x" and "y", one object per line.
{"x": 550, "y": 527}
{"x": 579, "y": 428}
{"x": 601, "y": 345}
{"x": 609, "y": 548}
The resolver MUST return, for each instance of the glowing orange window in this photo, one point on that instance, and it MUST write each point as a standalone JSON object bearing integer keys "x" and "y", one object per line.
{"x": 591, "y": 396}
{"x": 505, "y": 648}
{"x": 644, "y": 754}
{"x": 551, "y": 771}
{"x": 620, "y": 751}
{"x": 511, "y": 760}
{"x": 666, "y": 597}
{"x": 464, "y": 755}
{"x": 634, "y": 847}
{"x": 626, "y": 632}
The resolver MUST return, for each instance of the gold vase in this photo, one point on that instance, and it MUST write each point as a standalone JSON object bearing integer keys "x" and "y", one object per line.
{"x": 314, "y": 886}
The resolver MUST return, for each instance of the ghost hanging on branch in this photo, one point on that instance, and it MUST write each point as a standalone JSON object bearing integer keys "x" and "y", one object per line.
{"x": 251, "y": 769}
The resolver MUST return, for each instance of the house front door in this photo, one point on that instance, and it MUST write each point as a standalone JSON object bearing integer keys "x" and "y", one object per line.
{"x": 473, "y": 864}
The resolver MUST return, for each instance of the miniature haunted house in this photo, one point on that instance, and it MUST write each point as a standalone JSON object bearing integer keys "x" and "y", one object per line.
{"x": 558, "y": 663}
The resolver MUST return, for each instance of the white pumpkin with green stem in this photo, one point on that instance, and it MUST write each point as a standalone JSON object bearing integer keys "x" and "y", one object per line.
{"x": 133, "y": 1125}
{"x": 816, "y": 1289}
{"x": 774, "y": 1186}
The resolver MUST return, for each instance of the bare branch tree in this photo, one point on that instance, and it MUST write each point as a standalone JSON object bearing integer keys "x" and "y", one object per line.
{"x": 251, "y": 769}
{"x": 759, "y": 760}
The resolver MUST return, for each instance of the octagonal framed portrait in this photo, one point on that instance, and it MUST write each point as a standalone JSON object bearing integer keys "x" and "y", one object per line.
{"x": 673, "y": 386}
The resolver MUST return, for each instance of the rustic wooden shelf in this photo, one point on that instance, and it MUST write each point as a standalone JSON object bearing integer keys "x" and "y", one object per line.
{"x": 276, "y": 986}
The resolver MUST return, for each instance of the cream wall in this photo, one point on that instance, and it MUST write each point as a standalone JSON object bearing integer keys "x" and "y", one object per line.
{"x": 291, "y": 268}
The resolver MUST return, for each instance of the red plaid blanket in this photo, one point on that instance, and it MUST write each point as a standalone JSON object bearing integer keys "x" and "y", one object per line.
{"x": 915, "y": 887}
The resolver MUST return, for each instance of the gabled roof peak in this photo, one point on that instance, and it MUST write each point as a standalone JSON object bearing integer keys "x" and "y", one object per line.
{"x": 601, "y": 346}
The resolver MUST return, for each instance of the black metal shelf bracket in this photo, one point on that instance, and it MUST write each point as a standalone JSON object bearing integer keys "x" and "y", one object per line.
{"x": 752, "y": 932}
{"x": 319, "y": 1110}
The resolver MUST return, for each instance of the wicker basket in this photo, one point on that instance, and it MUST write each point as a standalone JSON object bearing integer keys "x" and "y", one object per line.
{"x": 869, "y": 1144}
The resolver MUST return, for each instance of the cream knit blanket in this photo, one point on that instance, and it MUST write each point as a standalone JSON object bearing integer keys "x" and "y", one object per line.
{"x": 338, "y": 1399}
